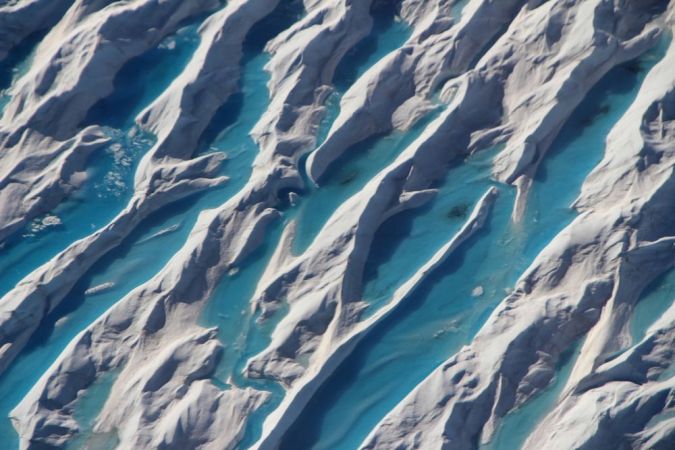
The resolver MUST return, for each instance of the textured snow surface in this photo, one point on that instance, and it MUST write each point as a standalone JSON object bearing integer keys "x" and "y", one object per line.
{"x": 337, "y": 224}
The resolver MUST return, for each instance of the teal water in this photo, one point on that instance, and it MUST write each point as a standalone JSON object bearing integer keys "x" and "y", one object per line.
{"x": 363, "y": 160}
{"x": 570, "y": 161}
{"x": 229, "y": 308}
{"x": 518, "y": 424}
{"x": 457, "y": 8}
{"x": 229, "y": 305}
{"x": 86, "y": 411}
{"x": 139, "y": 257}
{"x": 110, "y": 171}
{"x": 145, "y": 77}
{"x": 655, "y": 300}
{"x": 347, "y": 177}
{"x": 16, "y": 64}
{"x": 406, "y": 241}
{"x": 580, "y": 146}
{"x": 107, "y": 190}
{"x": 240, "y": 332}
{"x": 387, "y": 34}
{"x": 411, "y": 341}
{"x": 442, "y": 315}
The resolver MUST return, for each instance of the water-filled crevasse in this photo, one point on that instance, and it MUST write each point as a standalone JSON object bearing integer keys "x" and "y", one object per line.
{"x": 569, "y": 161}
{"x": 411, "y": 341}
{"x": 655, "y": 300}
{"x": 229, "y": 306}
{"x": 105, "y": 193}
{"x": 364, "y": 159}
{"x": 16, "y": 64}
{"x": 387, "y": 34}
{"x": 580, "y": 146}
{"x": 519, "y": 423}
{"x": 457, "y": 8}
{"x": 110, "y": 171}
{"x": 107, "y": 190}
{"x": 241, "y": 334}
{"x": 86, "y": 411}
{"x": 406, "y": 241}
{"x": 347, "y": 176}
{"x": 442, "y": 315}
{"x": 159, "y": 237}
{"x": 144, "y": 78}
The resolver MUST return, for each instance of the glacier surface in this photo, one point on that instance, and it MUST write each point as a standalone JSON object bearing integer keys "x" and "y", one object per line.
{"x": 337, "y": 224}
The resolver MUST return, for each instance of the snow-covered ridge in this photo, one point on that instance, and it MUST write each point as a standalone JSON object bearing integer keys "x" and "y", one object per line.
{"x": 472, "y": 77}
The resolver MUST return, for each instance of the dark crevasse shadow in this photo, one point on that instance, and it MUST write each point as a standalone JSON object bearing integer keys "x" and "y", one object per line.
{"x": 577, "y": 159}
{"x": 241, "y": 334}
{"x": 579, "y": 146}
{"x": 620, "y": 80}
{"x": 111, "y": 170}
{"x": 224, "y": 117}
{"x": 78, "y": 295}
{"x": 655, "y": 299}
{"x": 18, "y": 56}
{"x": 388, "y": 238}
{"x": 309, "y": 430}
{"x": 340, "y": 171}
{"x": 344, "y": 178}
{"x": 510, "y": 433}
{"x": 384, "y": 13}
{"x": 406, "y": 241}
{"x": 577, "y": 149}
{"x": 284, "y": 16}
{"x": 229, "y": 305}
{"x": 387, "y": 34}
{"x": 144, "y": 77}
{"x": 16, "y": 64}
{"x": 141, "y": 254}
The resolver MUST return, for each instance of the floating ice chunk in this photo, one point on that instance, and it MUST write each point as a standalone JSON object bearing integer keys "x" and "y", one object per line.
{"x": 39, "y": 225}
{"x": 61, "y": 321}
{"x": 161, "y": 232}
{"x": 98, "y": 289}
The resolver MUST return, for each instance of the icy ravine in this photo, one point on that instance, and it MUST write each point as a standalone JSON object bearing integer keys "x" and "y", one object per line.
{"x": 560, "y": 297}
{"x": 249, "y": 195}
{"x": 477, "y": 70}
{"x": 291, "y": 341}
